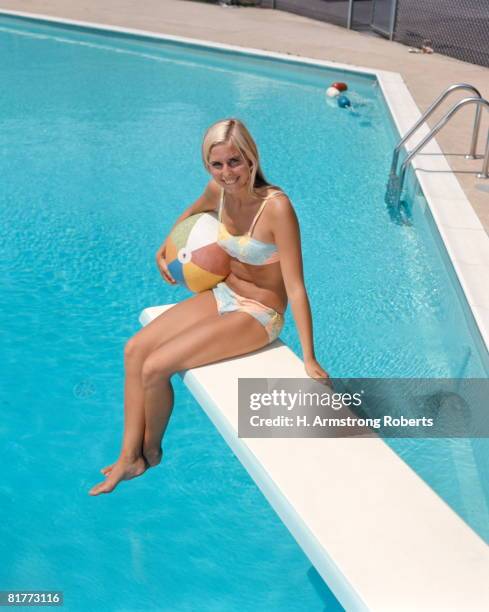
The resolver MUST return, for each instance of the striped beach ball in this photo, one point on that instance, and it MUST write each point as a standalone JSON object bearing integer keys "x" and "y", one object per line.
{"x": 193, "y": 256}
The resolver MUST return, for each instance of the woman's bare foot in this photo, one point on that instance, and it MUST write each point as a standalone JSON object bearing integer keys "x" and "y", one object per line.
{"x": 123, "y": 469}
{"x": 152, "y": 454}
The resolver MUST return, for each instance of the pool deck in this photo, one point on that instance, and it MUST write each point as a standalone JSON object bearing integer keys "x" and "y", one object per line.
{"x": 425, "y": 75}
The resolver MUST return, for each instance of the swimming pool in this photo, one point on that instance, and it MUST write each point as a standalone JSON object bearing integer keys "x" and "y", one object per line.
{"x": 98, "y": 166}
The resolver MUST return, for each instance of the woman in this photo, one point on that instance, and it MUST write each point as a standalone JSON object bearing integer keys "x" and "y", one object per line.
{"x": 259, "y": 229}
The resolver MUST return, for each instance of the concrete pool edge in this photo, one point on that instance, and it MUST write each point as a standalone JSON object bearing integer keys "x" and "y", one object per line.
{"x": 425, "y": 556}
{"x": 464, "y": 238}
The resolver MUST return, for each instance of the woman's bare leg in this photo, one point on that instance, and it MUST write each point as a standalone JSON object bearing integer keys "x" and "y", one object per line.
{"x": 207, "y": 341}
{"x": 173, "y": 322}
{"x": 158, "y": 406}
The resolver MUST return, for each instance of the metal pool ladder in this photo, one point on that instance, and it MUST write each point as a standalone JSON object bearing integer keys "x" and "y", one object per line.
{"x": 396, "y": 181}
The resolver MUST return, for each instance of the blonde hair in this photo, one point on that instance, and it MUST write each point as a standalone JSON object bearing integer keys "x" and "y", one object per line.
{"x": 235, "y": 132}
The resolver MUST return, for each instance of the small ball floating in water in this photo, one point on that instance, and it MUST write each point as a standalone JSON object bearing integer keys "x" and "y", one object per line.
{"x": 332, "y": 92}
{"x": 344, "y": 102}
{"x": 335, "y": 92}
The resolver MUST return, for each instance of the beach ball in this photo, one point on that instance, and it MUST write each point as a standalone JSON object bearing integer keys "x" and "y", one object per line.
{"x": 332, "y": 92}
{"x": 343, "y": 102}
{"x": 193, "y": 256}
{"x": 340, "y": 86}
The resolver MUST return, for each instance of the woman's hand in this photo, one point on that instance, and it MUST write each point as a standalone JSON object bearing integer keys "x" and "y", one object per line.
{"x": 314, "y": 370}
{"x": 163, "y": 268}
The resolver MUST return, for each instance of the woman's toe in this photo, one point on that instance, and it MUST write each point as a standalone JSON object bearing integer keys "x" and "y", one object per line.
{"x": 96, "y": 489}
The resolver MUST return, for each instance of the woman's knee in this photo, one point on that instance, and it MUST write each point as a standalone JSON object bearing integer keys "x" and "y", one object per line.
{"x": 134, "y": 352}
{"x": 155, "y": 370}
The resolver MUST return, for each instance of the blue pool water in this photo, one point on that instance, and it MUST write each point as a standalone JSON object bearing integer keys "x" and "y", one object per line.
{"x": 100, "y": 152}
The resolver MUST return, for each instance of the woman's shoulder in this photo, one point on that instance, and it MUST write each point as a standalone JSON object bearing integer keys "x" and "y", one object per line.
{"x": 282, "y": 216}
{"x": 279, "y": 210}
{"x": 277, "y": 200}
{"x": 208, "y": 201}
{"x": 274, "y": 194}
{"x": 213, "y": 189}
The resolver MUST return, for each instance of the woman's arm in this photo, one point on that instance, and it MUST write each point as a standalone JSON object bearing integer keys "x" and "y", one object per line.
{"x": 287, "y": 238}
{"x": 208, "y": 201}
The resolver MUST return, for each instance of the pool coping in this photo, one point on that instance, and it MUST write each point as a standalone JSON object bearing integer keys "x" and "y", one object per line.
{"x": 465, "y": 239}
{"x": 455, "y": 225}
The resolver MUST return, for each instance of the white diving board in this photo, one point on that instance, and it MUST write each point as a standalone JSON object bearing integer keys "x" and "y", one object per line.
{"x": 374, "y": 530}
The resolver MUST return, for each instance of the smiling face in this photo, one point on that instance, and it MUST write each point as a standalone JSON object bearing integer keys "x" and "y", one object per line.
{"x": 228, "y": 167}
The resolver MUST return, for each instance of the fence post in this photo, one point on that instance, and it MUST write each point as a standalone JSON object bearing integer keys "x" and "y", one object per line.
{"x": 350, "y": 14}
{"x": 393, "y": 20}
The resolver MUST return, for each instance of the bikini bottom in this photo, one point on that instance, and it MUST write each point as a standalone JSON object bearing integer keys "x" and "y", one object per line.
{"x": 229, "y": 301}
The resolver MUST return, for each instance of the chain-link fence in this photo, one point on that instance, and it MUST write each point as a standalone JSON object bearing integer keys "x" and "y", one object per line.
{"x": 332, "y": 11}
{"x": 459, "y": 28}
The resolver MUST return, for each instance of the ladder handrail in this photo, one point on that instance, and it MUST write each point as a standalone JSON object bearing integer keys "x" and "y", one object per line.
{"x": 428, "y": 113}
{"x": 481, "y": 102}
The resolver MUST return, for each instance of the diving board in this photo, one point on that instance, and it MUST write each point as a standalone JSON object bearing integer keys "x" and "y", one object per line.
{"x": 375, "y": 531}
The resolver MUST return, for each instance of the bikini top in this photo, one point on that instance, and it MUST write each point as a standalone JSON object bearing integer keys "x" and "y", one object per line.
{"x": 246, "y": 248}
